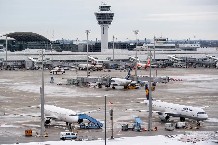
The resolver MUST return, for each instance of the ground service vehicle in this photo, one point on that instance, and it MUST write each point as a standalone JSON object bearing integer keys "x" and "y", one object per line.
{"x": 68, "y": 135}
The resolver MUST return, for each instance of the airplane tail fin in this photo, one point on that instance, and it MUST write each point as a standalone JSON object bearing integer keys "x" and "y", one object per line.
{"x": 128, "y": 74}
{"x": 149, "y": 62}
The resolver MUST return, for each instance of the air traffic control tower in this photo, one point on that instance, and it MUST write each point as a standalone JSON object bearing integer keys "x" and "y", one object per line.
{"x": 104, "y": 17}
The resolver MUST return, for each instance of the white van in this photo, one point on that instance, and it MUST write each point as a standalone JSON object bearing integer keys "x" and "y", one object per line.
{"x": 68, "y": 135}
{"x": 181, "y": 125}
{"x": 169, "y": 126}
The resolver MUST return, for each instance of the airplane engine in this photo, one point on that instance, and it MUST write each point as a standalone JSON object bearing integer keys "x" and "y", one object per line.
{"x": 164, "y": 117}
{"x": 80, "y": 121}
{"x": 47, "y": 121}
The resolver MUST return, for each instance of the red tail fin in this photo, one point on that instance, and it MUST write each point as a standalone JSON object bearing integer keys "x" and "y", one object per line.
{"x": 149, "y": 62}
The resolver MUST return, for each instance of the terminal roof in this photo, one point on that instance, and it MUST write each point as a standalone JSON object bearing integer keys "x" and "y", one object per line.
{"x": 27, "y": 36}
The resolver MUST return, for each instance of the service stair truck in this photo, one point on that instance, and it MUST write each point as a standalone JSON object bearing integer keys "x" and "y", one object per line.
{"x": 137, "y": 124}
{"x": 93, "y": 123}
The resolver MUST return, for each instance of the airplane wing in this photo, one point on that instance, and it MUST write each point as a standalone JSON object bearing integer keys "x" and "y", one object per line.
{"x": 115, "y": 84}
{"x": 174, "y": 114}
{"x": 204, "y": 107}
{"x": 51, "y": 117}
{"x": 215, "y": 141}
{"x": 90, "y": 111}
{"x": 130, "y": 110}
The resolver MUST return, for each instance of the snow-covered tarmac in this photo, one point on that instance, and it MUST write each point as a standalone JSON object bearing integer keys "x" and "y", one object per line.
{"x": 190, "y": 138}
{"x": 19, "y": 96}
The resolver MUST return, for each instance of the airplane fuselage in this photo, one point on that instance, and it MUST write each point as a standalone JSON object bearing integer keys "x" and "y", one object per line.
{"x": 84, "y": 66}
{"x": 176, "y": 110}
{"x": 61, "y": 114}
{"x": 120, "y": 82}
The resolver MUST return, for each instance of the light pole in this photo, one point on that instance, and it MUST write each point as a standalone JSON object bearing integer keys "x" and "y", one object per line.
{"x": 42, "y": 100}
{"x": 154, "y": 46}
{"x": 136, "y": 32}
{"x": 150, "y": 97}
{"x": 105, "y": 119}
{"x": 87, "y": 34}
{"x": 113, "y": 47}
{"x": 6, "y": 47}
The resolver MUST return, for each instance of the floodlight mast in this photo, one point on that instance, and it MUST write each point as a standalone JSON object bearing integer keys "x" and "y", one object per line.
{"x": 87, "y": 34}
{"x": 42, "y": 100}
{"x": 136, "y": 32}
{"x": 150, "y": 96}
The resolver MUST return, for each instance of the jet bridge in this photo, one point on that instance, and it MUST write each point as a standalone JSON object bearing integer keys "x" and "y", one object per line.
{"x": 83, "y": 81}
{"x": 93, "y": 124}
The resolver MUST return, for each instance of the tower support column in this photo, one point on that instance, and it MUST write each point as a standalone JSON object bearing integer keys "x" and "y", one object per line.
{"x": 104, "y": 37}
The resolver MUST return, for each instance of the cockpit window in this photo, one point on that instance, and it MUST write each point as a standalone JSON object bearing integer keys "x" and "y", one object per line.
{"x": 201, "y": 113}
{"x": 72, "y": 115}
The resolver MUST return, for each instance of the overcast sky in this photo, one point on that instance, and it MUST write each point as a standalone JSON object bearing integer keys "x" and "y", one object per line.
{"x": 68, "y": 19}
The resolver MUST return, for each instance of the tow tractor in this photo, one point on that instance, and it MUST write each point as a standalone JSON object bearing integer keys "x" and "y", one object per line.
{"x": 133, "y": 85}
{"x": 136, "y": 125}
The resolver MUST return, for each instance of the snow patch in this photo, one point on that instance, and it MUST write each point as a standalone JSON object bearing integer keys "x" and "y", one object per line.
{"x": 212, "y": 120}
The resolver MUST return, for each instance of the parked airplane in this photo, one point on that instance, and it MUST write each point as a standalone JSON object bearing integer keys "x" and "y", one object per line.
{"x": 95, "y": 60}
{"x": 120, "y": 82}
{"x": 165, "y": 110}
{"x": 84, "y": 66}
{"x": 214, "y": 58}
{"x": 144, "y": 65}
{"x": 69, "y": 116}
{"x": 56, "y": 70}
{"x": 139, "y": 64}
{"x": 37, "y": 61}
{"x": 132, "y": 59}
{"x": 174, "y": 58}
{"x": 34, "y": 59}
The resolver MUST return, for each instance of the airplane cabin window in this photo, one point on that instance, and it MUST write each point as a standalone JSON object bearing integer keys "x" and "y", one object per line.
{"x": 201, "y": 113}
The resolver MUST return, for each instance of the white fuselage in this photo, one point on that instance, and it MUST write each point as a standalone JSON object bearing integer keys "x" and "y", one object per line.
{"x": 84, "y": 66}
{"x": 177, "y": 110}
{"x": 57, "y": 69}
{"x": 61, "y": 114}
{"x": 120, "y": 82}
{"x": 174, "y": 58}
{"x": 96, "y": 60}
{"x": 36, "y": 60}
{"x": 214, "y": 58}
